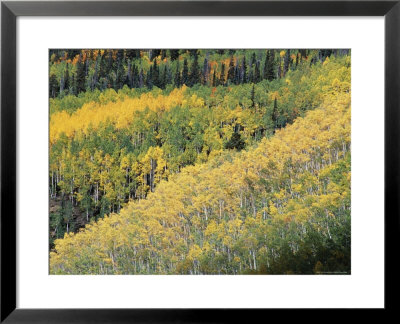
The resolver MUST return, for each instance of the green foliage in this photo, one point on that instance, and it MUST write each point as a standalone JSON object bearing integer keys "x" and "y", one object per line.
{"x": 281, "y": 207}
{"x": 165, "y": 157}
{"x": 77, "y": 71}
{"x": 235, "y": 142}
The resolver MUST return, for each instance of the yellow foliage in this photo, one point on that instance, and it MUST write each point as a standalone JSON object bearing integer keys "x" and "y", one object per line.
{"x": 209, "y": 198}
{"x": 120, "y": 113}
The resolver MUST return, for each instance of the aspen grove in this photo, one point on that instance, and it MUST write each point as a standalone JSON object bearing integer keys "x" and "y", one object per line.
{"x": 200, "y": 161}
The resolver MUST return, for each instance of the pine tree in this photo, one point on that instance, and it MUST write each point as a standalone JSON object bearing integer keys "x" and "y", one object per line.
{"x": 103, "y": 67}
{"x": 53, "y": 86}
{"x": 286, "y": 62}
{"x": 174, "y": 54}
{"x": 222, "y": 75}
{"x": 95, "y": 75}
{"x": 253, "y": 59}
{"x": 235, "y": 142}
{"x": 155, "y": 74}
{"x": 250, "y": 77}
{"x": 73, "y": 85}
{"x": 128, "y": 77}
{"x": 149, "y": 78}
{"x": 177, "y": 79}
{"x": 120, "y": 79}
{"x": 243, "y": 71}
{"x": 168, "y": 75}
{"x": 80, "y": 76}
{"x": 269, "y": 72}
{"x": 67, "y": 82}
{"x": 154, "y": 53}
{"x": 163, "y": 79}
{"x": 195, "y": 72}
{"x": 231, "y": 71}
{"x": 185, "y": 72}
{"x": 253, "y": 95}
{"x": 237, "y": 74}
{"x": 257, "y": 75}
{"x": 206, "y": 69}
{"x": 130, "y": 54}
{"x": 193, "y": 52}
{"x": 274, "y": 116}
{"x": 280, "y": 67}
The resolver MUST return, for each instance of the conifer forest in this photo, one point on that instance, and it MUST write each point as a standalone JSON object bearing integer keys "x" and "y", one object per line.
{"x": 199, "y": 161}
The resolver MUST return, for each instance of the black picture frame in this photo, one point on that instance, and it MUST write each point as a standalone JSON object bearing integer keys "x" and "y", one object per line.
{"x": 10, "y": 10}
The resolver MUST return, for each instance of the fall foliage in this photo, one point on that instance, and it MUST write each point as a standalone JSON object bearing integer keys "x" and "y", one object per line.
{"x": 209, "y": 176}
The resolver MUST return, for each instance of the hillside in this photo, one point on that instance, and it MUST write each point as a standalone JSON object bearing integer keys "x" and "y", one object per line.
{"x": 280, "y": 206}
{"x": 111, "y": 142}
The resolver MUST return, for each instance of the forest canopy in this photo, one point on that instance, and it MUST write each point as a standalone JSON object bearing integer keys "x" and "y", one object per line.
{"x": 199, "y": 161}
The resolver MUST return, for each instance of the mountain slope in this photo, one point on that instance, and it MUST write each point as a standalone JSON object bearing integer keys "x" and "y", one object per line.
{"x": 282, "y": 207}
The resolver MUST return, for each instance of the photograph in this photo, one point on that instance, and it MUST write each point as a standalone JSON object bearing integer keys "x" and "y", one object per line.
{"x": 199, "y": 161}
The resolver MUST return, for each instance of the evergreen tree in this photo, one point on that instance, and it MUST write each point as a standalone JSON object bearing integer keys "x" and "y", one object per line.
{"x": 149, "y": 79}
{"x": 169, "y": 75}
{"x": 257, "y": 75}
{"x": 103, "y": 67}
{"x": 73, "y": 85}
{"x": 195, "y": 72}
{"x": 177, "y": 79}
{"x": 135, "y": 76}
{"x": 154, "y": 53}
{"x": 80, "y": 76}
{"x": 274, "y": 116}
{"x": 121, "y": 76}
{"x": 193, "y": 52}
{"x": 222, "y": 75}
{"x": 185, "y": 72}
{"x": 214, "y": 80}
{"x": 141, "y": 79}
{"x": 252, "y": 97}
{"x": 280, "y": 67}
{"x": 155, "y": 75}
{"x": 73, "y": 53}
{"x": 129, "y": 75}
{"x": 243, "y": 71}
{"x": 235, "y": 142}
{"x": 163, "y": 79}
{"x": 53, "y": 86}
{"x": 253, "y": 59}
{"x": 67, "y": 82}
{"x": 286, "y": 62}
{"x": 95, "y": 75}
{"x": 174, "y": 54}
{"x": 303, "y": 53}
{"x": 206, "y": 69}
{"x": 231, "y": 71}
{"x": 269, "y": 73}
{"x": 130, "y": 54}
{"x": 237, "y": 75}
